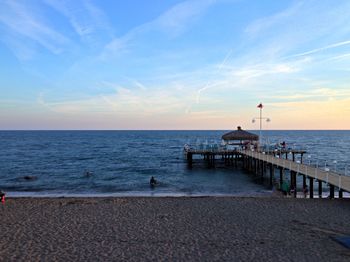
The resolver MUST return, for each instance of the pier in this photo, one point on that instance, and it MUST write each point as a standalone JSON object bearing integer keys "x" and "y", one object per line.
{"x": 266, "y": 164}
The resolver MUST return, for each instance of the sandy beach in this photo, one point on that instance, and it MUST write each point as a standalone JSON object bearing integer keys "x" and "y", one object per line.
{"x": 173, "y": 229}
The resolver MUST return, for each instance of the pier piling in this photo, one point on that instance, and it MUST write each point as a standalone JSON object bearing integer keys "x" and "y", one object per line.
{"x": 258, "y": 163}
{"x": 319, "y": 189}
{"x": 311, "y": 182}
{"x": 281, "y": 176}
{"x": 331, "y": 191}
{"x": 189, "y": 160}
{"x": 272, "y": 172}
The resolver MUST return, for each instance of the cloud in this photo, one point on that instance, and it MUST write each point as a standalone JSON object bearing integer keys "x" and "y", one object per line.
{"x": 320, "y": 49}
{"x": 340, "y": 57}
{"x": 328, "y": 114}
{"x": 172, "y": 22}
{"x": 123, "y": 100}
{"x": 22, "y": 51}
{"x": 209, "y": 84}
{"x": 177, "y": 18}
{"x": 264, "y": 69}
{"x": 263, "y": 24}
{"x": 315, "y": 94}
{"x": 22, "y": 22}
{"x": 301, "y": 25}
{"x": 84, "y": 17}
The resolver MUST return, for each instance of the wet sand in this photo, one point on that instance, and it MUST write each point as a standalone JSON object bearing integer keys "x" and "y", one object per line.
{"x": 173, "y": 229}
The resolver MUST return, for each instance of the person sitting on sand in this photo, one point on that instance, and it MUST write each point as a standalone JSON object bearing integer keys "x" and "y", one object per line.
{"x": 152, "y": 181}
{"x": 2, "y": 196}
{"x": 292, "y": 190}
{"x": 305, "y": 191}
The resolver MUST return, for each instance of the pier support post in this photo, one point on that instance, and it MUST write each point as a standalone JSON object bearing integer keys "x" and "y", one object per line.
{"x": 331, "y": 191}
{"x": 340, "y": 193}
{"x": 311, "y": 182}
{"x": 304, "y": 181}
{"x": 295, "y": 184}
{"x": 319, "y": 188}
{"x": 281, "y": 177}
{"x": 293, "y": 181}
{"x": 272, "y": 171}
{"x": 189, "y": 160}
{"x": 207, "y": 158}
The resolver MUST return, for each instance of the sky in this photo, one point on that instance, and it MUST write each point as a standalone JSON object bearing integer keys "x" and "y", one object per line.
{"x": 169, "y": 64}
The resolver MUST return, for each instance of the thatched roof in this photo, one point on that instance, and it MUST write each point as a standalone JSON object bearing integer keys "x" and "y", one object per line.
{"x": 240, "y": 134}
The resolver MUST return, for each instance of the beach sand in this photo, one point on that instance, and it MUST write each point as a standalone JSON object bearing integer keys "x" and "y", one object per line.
{"x": 173, "y": 229}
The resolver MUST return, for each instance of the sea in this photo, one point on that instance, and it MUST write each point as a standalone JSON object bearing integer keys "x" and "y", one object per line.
{"x": 121, "y": 163}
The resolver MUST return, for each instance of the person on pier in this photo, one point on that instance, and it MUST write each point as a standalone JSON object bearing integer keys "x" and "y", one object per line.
{"x": 283, "y": 144}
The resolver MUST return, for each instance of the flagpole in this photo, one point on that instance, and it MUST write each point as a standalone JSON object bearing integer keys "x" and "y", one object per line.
{"x": 261, "y": 118}
{"x": 260, "y": 125}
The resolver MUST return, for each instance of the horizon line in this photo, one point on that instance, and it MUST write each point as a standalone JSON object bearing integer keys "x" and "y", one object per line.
{"x": 7, "y": 130}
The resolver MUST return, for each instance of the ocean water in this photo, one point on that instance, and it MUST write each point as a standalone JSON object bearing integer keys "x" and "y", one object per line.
{"x": 121, "y": 162}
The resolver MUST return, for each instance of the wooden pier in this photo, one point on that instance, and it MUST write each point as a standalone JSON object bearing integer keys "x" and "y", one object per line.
{"x": 260, "y": 163}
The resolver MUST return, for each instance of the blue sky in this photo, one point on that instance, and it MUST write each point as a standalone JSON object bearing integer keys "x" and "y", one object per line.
{"x": 202, "y": 64}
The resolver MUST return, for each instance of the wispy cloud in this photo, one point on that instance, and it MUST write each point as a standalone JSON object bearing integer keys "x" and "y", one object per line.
{"x": 314, "y": 94}
{"x": 340, "y": 57}
{"x": 259, "y": 70}
{"x": 209, "y": 84}
{"x": 16, "y": 44}
{"x": 320, "y": 49}
{"x": 172, "y": 22}
{"x": 23, "y": 22}
{"x": 263, "y": 24}
{"x": 177, "y": 18}
{"x": 123, "y": 100}
{"x": 84, "y": 17}
{"x": 304, "y": 23}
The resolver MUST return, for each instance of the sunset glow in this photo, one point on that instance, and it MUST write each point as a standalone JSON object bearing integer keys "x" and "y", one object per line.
{"x": 201, "y": 64}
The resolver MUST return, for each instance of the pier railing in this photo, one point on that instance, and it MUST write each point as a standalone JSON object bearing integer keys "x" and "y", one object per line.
{"x": 329, "y": 177}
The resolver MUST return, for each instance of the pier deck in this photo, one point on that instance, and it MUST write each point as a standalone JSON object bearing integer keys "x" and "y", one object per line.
{"x": 259, "y": 162}
{"x": 332, "y": 178}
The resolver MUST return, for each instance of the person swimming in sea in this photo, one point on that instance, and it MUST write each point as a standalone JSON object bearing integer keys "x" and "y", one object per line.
{"x": 153, "y": 181}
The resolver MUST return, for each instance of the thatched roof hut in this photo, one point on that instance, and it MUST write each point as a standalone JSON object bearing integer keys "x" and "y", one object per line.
{"x": 240, "y": 135}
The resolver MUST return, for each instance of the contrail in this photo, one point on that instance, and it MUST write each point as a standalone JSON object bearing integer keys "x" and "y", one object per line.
{"x": 218, "y": 71}
{"x": 321, "y": 49}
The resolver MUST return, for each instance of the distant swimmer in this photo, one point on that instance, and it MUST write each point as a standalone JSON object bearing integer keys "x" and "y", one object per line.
{"x": 153, "y": 182}
{"x": 30, "y": 177}
{"x": 88, "y": 173}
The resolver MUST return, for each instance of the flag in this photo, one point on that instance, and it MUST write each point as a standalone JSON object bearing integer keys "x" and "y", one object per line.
{"x": 260, "y": 105}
